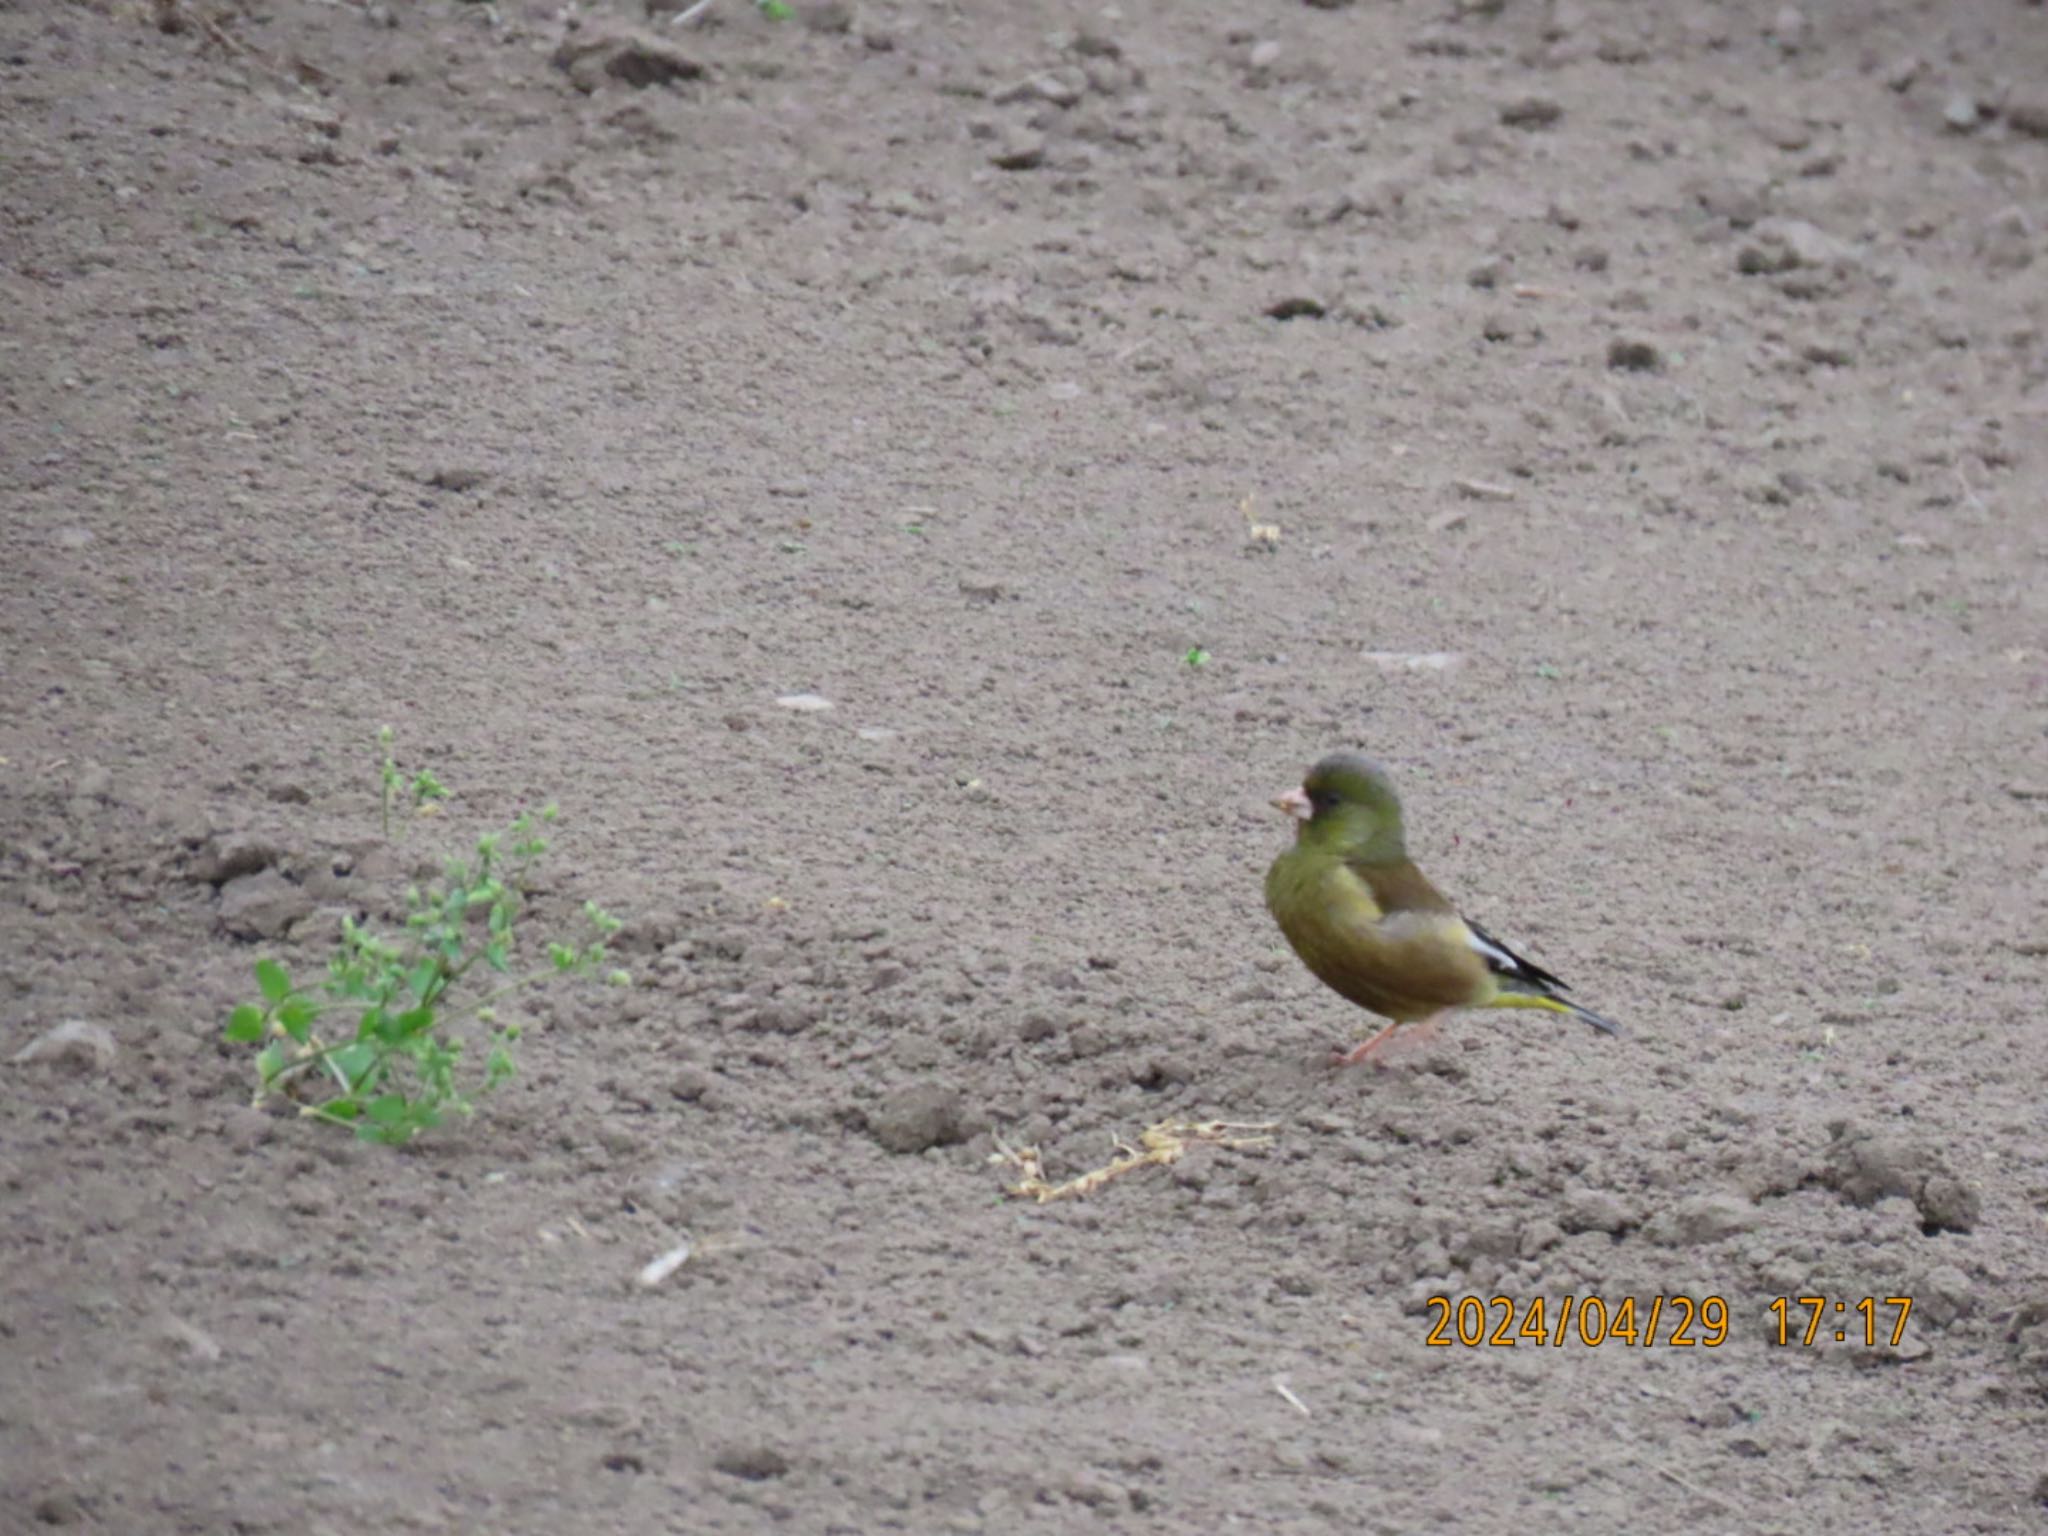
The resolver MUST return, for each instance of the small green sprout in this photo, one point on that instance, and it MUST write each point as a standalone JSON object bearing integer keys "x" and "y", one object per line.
{"x": 391, "y": 1070}
{"x": 424, "y": 791}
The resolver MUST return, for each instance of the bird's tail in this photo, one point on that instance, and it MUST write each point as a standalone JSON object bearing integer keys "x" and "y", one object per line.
{"x": 1507, "y": 998}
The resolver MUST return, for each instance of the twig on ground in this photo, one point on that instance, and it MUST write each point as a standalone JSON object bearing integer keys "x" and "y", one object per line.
{"x": 1696, "y": 1490}
{"x": 1158, "y": 1146}
{"x": 1290, "y": 1397}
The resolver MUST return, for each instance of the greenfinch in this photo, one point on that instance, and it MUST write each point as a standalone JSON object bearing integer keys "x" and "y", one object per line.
{"x": 1369, "y": 924}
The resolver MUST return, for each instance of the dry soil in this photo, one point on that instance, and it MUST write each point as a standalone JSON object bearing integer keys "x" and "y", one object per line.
{"x": 1626, "y": 420}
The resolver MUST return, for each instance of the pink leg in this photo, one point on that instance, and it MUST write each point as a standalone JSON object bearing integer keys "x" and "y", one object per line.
{"x": 1361, "y": 1053}
{"x": 1425, "y": 1032}
{"x": 1380, "y": 1045}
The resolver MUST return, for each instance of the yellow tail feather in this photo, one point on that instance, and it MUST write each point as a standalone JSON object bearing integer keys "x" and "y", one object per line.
{"x": 1528, "y": 1000}
{"x": 1506, "y": 999}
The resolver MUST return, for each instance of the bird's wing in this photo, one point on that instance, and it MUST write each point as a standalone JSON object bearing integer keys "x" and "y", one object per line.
{"x": 1504, "y": 962}
{"x": 1401, "y": 889}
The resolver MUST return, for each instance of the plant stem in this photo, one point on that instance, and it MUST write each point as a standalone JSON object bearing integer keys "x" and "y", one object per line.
{"x": 508, "y": 989}
{"x": 313, "y": 1054}
{"x": 316, "y": 1054}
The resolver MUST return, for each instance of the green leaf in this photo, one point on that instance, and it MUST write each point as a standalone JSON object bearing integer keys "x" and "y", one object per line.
{"x": 435, "y": 1057}
{"x": 495, "y": 956}
{"x": 412, "y": 1023}
{"x": 270, "y": 1061}
{"x": 358, "y": 1064}
{"x": 341, "y": 1109}
{"x": 498, "y": 1068}
{"x": 501, "y": 918}
{"x": 394, "y": 1120}
{"x": 421, "y": 981}
{"x": 245, "y": 1025}
{"x": 271, "y": 977}
{"x": 296, "y": 1016}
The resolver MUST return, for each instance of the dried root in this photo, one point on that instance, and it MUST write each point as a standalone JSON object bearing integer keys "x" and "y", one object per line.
{"x": 1160, "y": 1146}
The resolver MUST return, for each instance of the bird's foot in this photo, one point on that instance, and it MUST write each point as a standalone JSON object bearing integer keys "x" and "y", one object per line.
{"x": 1383, "y": 1048}
{"x": 1425, "y": 1033}
{"x": 1359, "y": 1054}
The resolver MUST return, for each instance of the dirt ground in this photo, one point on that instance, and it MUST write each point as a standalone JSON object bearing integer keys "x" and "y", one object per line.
{"x": 1627, "y": 421}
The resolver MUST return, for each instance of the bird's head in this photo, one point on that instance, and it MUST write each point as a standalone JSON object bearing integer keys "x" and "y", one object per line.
{"x": 1347, "y": 807}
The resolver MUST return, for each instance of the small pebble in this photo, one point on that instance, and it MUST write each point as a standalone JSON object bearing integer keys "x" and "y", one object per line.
{"x": 60, "y": 1508}
{"x": 661, "y": 1267}
{"x": 752, "y": 1463}
{"x": 1413, "y": 661}
{"x": 2029, "y": 114}
{"x": 75, "y": 1042}
{"x": 262, "y": 906}
{"x": 917, "y": 1118}
{"x": 1791, "y": 28}
{"x": 246, "y": 1128}
{"x": 1632, "y": 355}
{"x": 1531, "y": 112}
{"x": 1019, "y": 149}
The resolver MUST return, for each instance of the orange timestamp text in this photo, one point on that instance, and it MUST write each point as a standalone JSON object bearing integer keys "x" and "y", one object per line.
{"x": 1536, "y": 1322}
{"x": 1845, "y": 1321}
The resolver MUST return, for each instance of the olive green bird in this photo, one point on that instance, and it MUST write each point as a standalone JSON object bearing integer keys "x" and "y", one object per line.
{"x": 1369, "y": 924}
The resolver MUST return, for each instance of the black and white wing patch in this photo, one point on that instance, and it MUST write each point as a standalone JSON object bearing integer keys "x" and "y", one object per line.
{"x": 1504, "y": 962}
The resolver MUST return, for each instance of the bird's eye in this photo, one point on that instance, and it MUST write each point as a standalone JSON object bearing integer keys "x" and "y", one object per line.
{"x": 1321, "y": 800}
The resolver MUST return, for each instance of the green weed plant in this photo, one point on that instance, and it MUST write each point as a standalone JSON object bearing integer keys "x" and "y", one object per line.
{"x": 393, "y": 1068}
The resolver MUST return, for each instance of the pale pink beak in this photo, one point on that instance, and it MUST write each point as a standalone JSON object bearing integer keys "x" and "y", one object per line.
{"x": 1294, "y": 803}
